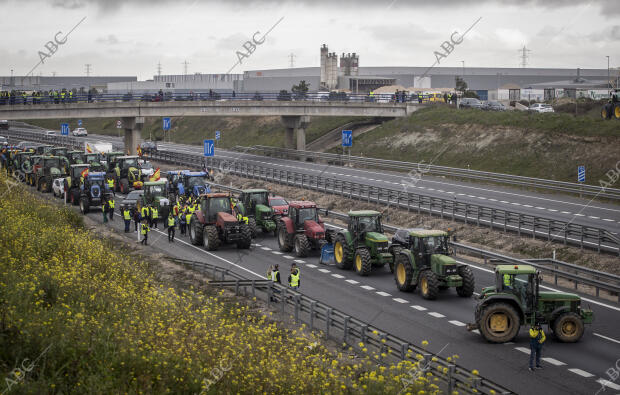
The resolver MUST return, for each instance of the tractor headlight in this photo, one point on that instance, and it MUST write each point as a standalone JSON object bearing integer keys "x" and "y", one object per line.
{"x": 450, "y": 270}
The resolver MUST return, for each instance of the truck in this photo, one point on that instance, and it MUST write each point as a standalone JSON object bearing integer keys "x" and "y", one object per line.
{"x": 254, "y": 204}
{"x": 93, "y": 191}
{"x": 423, "y": 258}
{"x": 302, "y": 230}
{"x": 214, "y": 223}
{"x": 362, "y": 245}
{"x": 516, "y": 299}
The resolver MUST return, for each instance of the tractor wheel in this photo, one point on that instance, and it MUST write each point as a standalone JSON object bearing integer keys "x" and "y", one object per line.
{"x": 467, "y": 289}
{"x": 429, "y": 285}
{"x": 285, "y": 241}
{"x": 124, "y": 186}
{"x": 45, "y": 185}
{"x": 616, "y": 111}
{"x": 605, "y": 113}
{"x": 195, "y": 232}
{"x": 342, "y": 252}
{"x": 362, "y": 262}
{"x": 395, "y": 251}
{"x": 211, "y": 239}
{"x": 568, "y": 327}
{"x": 247, "y": 238}
{"x": 499, "y": 323}
{"x": 75, "y": 197}
{"x": 302, "y": 245}
{"x": 38, "y": 185}
{"x": 84, "y": 206}
{"x": 403, "y": 273}
{"x": 252, "y": 225}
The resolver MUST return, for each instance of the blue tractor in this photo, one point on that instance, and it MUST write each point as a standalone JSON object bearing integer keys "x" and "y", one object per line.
{"x": 187, "y": 183}
{"x": 93, "y": 191}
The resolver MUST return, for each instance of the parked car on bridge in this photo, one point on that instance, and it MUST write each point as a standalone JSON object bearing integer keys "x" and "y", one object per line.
{"x": 80, "y": 132}
{"x": 540, "y": 107}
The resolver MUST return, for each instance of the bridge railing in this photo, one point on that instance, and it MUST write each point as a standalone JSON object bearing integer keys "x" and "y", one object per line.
{"x": 60, "y": 99}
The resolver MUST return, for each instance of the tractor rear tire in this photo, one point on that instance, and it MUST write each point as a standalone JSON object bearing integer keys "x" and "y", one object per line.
{"x": 467, "y": 289}
{"x": 247, "y": 238}
{"x": 210, "y": 238}
{"x": 403, "y": 273}
{"x": 568, "y": 327}
{"x": 363, "y": 264}
{"x": 505, "y": 319}
{"x": 84, "y": 205}
{"x": 285, "y": 240}
{"x": 124, "y": 186}
{"x": 616, "y": 111}
{"x": 429, "y": 285}
{"x": 252, "y": 225}
{"x": 395, "y": 250}
{"x": 302, "y": 245}
{"x": 606, "y": 112}
{"x": 195, "y": 232}
{"x": 343, "y": 254}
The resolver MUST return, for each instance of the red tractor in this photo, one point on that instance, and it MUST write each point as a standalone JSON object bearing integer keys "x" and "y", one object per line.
{"x": 214, "y": 223}
{"x": 302, "y": 230}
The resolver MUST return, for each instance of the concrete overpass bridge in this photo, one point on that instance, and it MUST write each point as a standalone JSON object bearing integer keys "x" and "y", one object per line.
{"x": 295, "y": 115}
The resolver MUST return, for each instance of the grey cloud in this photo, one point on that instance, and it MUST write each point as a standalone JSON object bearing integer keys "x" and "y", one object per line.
{"x": 110, "y": 39}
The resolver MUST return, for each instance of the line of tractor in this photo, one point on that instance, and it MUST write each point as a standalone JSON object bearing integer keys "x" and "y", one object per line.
{"x": 418, "y": 258}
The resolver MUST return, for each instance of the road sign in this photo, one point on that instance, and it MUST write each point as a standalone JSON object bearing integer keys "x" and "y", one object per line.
{"x": 79, "y": 122}
{"x": 167, "y": 123}
{"x": 347, "y": 138}
{"x": 119, "y": 124}
{"x": 217, "y": 134}
{"x": 209, "y": 147}
{"x": 64, "y": 129}
{"x": 581, "y": 174}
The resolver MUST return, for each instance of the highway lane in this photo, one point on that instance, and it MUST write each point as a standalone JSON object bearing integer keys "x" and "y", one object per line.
{"x": 408, "y": 316}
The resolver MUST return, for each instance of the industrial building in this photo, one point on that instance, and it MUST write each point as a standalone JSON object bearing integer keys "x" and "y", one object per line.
{"x": 41, "y": 83}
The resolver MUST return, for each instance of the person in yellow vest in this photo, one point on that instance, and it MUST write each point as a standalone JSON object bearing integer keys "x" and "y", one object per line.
{"x": 188, "y": 218}
{"x": 537, "y": 338}
{"x": 110, "y": 183}
{"x": 274, "y": 275}
{"x": 154, "y": 216}
{"x": 507, "y": 281}
{"x": 293, "y": 278}
{"x": 171, "y": 230}
{"x": 104, "y": 210}
{"x": 144, "y": 230}
{"x": 127, "y": 217}
{"x": 111, "y": 208}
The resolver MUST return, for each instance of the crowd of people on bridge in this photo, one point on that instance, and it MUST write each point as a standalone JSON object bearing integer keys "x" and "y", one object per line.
{"x": 13, "y": 97}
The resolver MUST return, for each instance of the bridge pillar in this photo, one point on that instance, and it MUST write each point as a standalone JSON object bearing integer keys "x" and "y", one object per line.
{"x": 296, "y": 124}
{"x": 133, "y": 128}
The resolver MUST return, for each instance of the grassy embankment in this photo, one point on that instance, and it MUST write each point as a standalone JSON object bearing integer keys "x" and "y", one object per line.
{"x": 193, "y": 130}
{"x": 96, "y": 319}
{"x": 521, "y": 143}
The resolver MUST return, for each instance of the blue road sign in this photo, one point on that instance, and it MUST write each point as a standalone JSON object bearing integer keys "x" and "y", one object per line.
{"x": 64, "y": 129}
{"x": 581, "y": 174}
{"x": 217, "y": 134}
{"x": 209, "y": 148}
{"x": 347, "y": 138}
{"x": 167, "y": 123}
{"x": 79, "y": 122}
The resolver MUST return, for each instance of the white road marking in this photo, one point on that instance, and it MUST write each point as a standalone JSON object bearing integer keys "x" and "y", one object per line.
{"x": 609, "y": 384}
{"x": 528, "y": 205}
{"x": 352, "y": 281}
{"x": 477, "y": 331}
{"x": 436, "y": 315}
{"x": 553, "y": 210}
{"x": 324, "y": 270}
{"x": 580, "y": 372}
{"x": 553, "y": 361}
{"x": 399, "y": 300}
{"x": 383, "y": 293}
{"x": 523, "y": 350}
{"x": 257, "y": 245}
{"x": 311, "y": 266}
{"x": 593, "y": 217}
{"x": 565, "y": 212}
{"x": 266, "y": 248}
{"x": 608, "y": 220}
{"x": 457, "y": 323}
{"x": 288, "y": 257}
{"x": 299, "y": 261}
{"x": 419, "y": 308}
{"x": 606, "y": 338}
{"x": 367, "y": 287}
{"x": 337, "y": 275}
{"x": 277, "y": 252}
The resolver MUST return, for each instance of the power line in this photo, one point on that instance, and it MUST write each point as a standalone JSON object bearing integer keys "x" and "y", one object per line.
{"x": 292, "y": 57}
{"x": 88, "y": 66}
{"x": 158, "y": 68}
{"x": 525, "y": 55}
{"x": 185, "y": 64}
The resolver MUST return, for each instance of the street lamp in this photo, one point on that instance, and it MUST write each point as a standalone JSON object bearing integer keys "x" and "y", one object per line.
{"x": 608, "y": 80}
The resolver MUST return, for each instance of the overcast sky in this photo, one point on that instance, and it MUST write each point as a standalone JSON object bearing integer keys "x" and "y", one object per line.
{"x": 129, "y": 37}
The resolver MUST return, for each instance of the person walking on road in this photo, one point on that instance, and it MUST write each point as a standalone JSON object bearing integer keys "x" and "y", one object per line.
{"x": 171, "y": 230}
{"x": 293, "y": 278}
{"x": 274, "y": 276}
{"x": 111, "y": 204}
{"x": 154, "y": 216}
{"x": 537, "y": 338}
{"x": 188, "y": 219}
{"x": 104, "y": 209}
{"x": 182, "y": 222}
{"x": 144, "y": 230}
{"x": 127, "y": 217}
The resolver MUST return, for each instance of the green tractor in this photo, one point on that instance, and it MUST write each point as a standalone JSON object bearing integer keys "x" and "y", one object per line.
{"x": 21, "y": 165}
{"x": 59, "y": 151}
{"x": 95, "y": 161}
{"x": 75, "y": 157}
{"x": 155, "y": 194}
{"x": 362, "y": 245}
{"x": 75, "y": 179}
{"x": 126, "y": 173}
{"x": 254, "y": 204}
{"x": 422, "y": 257}
{"x": 43, "y": 149}
{"x": 516, "y": 299}
{"x": 48, "y": 169}
{"x": 34, "y": 161}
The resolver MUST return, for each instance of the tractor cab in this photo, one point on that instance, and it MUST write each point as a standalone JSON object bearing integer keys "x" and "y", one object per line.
{"x": 75, "y": 157}
{"x": 254, "y": 204}
{"x": 109, "y": 159}
{"x": 54, "y": 165}
{"x": 213, "y": 203}
{"x": 365, "y": 222}
{"x": 94, "y": 160}
{"x": 156, "y": 194}
{"x": 43, "y": 149}
{"x": 59, "y": 151}
{"x": 194, "y": 182}
{"x": 423, "y": 243}
{"x": 300, "y": 212}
